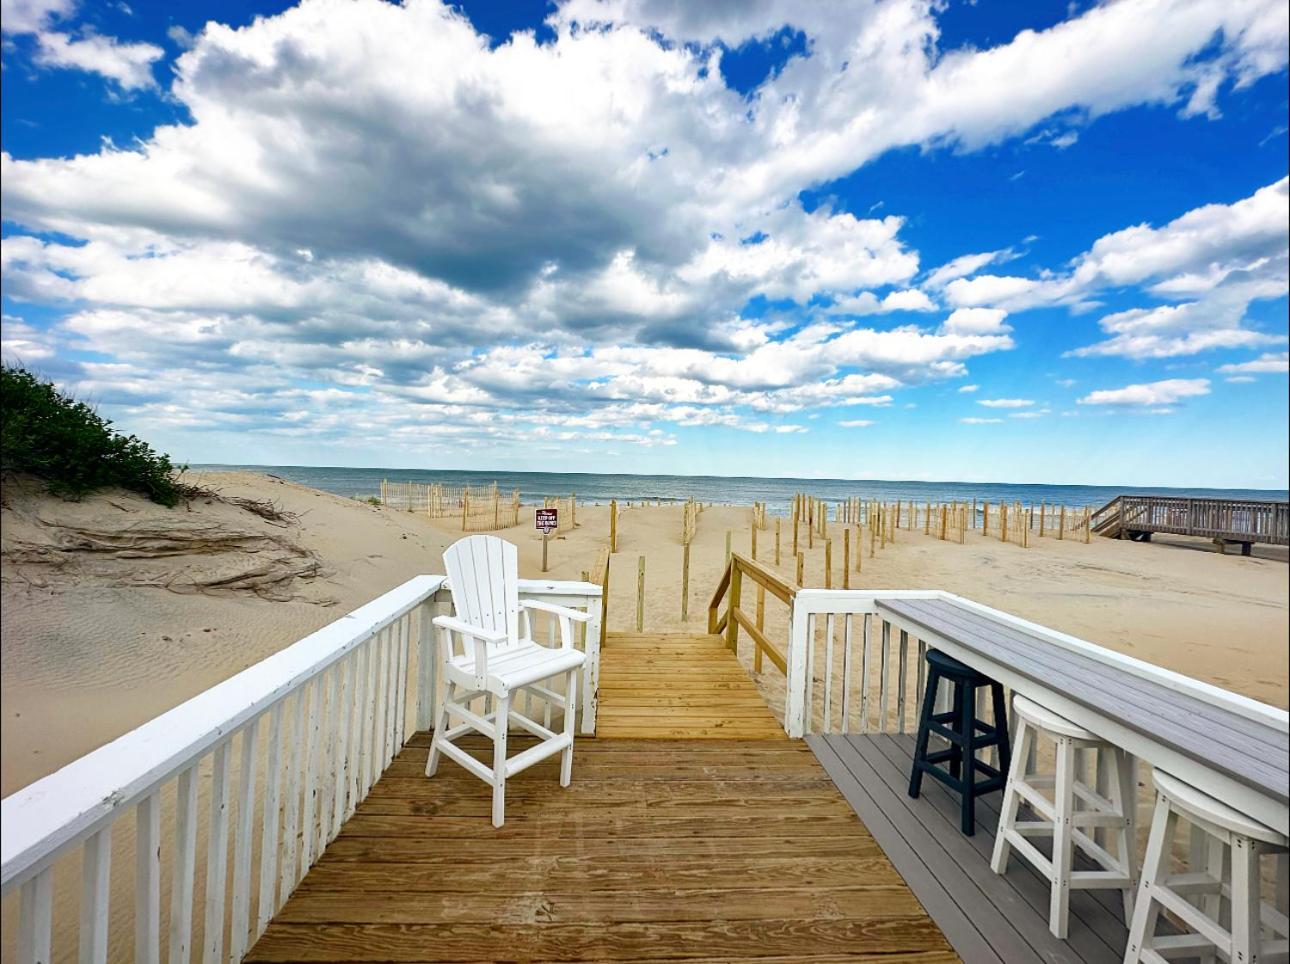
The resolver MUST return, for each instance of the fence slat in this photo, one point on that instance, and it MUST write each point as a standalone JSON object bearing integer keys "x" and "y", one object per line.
{"x": 864, "y": 676}
{"x": 217, "y": 855}
{"x": 309, "y": 789}
{"x": 846, "y": 671}
{"x": 147, "y": 880}
{"x": 185, "y": 867}
{"x": 96, "y": 875}
{"x": 237, "y": 942}
{"x": 884, "y": 688}
{"x": 35, "y": 925}
{"x": 269, "y": 821}
{"x": 291, "y": 798}
{"x": 902, "y": 681}
{"x": 828, "y": 672}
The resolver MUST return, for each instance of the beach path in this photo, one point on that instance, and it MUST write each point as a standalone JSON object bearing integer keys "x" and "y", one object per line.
{"x": 679, "y": 686}
{"x": 703, "y": 849}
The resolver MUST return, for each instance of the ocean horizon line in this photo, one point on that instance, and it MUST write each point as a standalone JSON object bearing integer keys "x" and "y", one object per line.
{"x": 360, "y": 482}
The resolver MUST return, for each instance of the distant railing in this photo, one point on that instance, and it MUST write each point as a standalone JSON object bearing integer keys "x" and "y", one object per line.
{"x": 730, "y": 590}
{"x": 1223, "y": 520}
{"x": 314, "y": 726}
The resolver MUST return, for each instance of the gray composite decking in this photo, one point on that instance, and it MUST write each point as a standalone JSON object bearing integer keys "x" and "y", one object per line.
{"x": 987, "y": 918}
{"x": 1250, "y": 752}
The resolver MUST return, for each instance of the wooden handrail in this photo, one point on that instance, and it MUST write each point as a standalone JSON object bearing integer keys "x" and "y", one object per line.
{"x": 729, "y": 622}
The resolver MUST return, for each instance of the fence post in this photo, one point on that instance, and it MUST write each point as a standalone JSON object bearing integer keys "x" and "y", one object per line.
{"x": 613, "y": 525}
{"x": 828, "y": 563}
{"x": 640, "y": 594}
{"x": 846, "y": 557}
{"x": 777, "y": 521}
{"x": 685, "y": 582}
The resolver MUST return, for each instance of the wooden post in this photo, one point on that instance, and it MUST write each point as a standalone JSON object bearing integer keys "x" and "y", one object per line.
{"x": 828, "y": 563}
{"x": 640, "y": 594}
{"x": 546, "y": 537}
{"x": 732, "y": 624}
{"x": 846, "y": 558}
{"x": 882, "y": 527}
{"x": 810, "y": 527}
{"x": 859, "y": 545}
{"x": 1061, "y": 524}
{"x": 727, "y": 545}
{"x": 573, "y": 510}
{"x": 754, "y": 540}
{"x": 801, "y": 565}
{"x": 761, "y": 623}
{"x": 685, "y": 582}
{"x": 1087, "y": 523}
{"x": 1003, "y": 522}
{"x": 985, "y": 521}
{"x": 973, "y": 519}
{"x": 613, "y": 525}
{"x": 1043, "y": 511}
{"x": 777, "y": 521}
{"x": 795, "y": 524}
{"x": 465, "y": 506}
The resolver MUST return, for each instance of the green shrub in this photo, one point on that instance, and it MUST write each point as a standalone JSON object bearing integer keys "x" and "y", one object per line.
{"x": 52, "y": 436}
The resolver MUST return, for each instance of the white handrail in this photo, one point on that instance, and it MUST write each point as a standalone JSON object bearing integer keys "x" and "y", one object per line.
{"x": 39, "y": 820}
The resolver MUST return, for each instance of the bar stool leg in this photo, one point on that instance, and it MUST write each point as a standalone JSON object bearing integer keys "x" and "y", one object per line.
{"x": 1124, "y": 789}
{"x": 956, "y": 724}
{"x": 1011, "y": 799}
{"x": 924, "y": 731}
{"x": 1246, "y": 912}
{"x": 1001, "y": 728}
{"x": 967, "y": 769}
{"x": 1063, "y": 800}
{"x": 1145, "y": 909}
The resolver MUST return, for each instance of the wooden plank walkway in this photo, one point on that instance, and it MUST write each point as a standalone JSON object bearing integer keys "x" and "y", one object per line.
{"x": 660, "y": 850}
{"x": 679, "y": 686}
{"x": 985, "y": 917}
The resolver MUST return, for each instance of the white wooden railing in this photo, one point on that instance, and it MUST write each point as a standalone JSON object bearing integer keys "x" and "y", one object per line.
{"x": 242, "y": 788}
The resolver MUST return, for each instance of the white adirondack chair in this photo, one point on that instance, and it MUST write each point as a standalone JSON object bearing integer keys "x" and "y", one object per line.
{"x": 498, "y": 659}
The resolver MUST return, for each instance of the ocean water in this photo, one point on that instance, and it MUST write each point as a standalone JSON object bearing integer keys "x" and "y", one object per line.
{"x": 738, "y": 490}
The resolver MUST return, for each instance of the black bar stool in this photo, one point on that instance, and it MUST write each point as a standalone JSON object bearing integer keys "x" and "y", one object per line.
{"x": 965, "y": 733}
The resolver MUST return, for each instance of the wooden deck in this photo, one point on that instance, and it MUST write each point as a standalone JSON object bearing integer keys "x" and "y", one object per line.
{"x": 660, "y": 850}
{"x": 987, "y": 918}
{"x": 1240, "y": 521}
{"x": 676, "y": 687}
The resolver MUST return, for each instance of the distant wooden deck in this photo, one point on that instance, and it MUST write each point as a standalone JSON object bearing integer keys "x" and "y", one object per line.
{"x": 1240, "y": 521}
{"x": 987, "y": 918}
{"x": 677, "y": 687}
{"x": 659, "y": 850}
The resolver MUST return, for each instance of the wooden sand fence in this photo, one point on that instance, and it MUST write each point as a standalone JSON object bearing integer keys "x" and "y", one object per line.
{"x": 566, "y": 516}
{"x": 482, "y": 508}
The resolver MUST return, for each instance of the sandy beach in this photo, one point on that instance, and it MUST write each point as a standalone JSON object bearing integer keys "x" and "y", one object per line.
{"x": 119, "y": 625}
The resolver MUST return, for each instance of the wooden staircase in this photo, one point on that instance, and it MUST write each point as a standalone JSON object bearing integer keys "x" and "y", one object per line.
{"x": 679, "y": 686}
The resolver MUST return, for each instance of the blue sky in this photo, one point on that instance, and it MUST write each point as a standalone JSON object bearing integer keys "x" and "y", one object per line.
{"x": 988, "y": 242}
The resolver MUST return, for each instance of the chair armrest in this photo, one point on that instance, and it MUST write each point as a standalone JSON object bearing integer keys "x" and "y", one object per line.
{"x": 577, "y": 615}
{"x": 455, "y": 625}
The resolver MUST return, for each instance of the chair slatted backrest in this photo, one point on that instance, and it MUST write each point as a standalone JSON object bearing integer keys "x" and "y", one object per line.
{"x": 483, "y": 573}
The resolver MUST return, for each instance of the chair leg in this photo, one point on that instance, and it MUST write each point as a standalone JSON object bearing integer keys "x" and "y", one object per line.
{"x": 967, "y": 758}
{"x": 566, "y": 755}
{"x": 500, "y": 722}
{"x": 440, "y": 727}
{"x": 1011, "y": 801}
{"x": 1142, "y": 929}
{"x": 924, "y": 732}
{"x": 1063, "y": 801}
{"x": 963, "y": 710}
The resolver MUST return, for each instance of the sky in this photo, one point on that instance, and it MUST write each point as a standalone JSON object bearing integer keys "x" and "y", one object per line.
{"x": 1019, "y": 242}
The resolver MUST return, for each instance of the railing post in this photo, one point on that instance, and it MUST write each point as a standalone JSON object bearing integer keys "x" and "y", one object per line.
{"x": 591, "y": 670}
{"x": 732, "y": 624}
{"x": 427, "y": 668}
{"x": 795, "y": 695}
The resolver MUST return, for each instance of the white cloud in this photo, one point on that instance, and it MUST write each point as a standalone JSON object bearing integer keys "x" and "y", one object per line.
{"x": 1265, "y": 364}
{"x": 857, "y": 423}
{"x": 969, "y": 388}
{"x": 974, "y": 420}
{"x": 1160, "y": 393}
{"x": 1006, "y": 402}
{"x": 371, "y": 198}
{"x": 128, "y": 64}
{"x": 976, "y": 321}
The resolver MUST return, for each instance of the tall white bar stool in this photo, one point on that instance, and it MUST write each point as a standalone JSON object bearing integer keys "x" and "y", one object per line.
{"x": 1203, "y": 898}
{"x": 1075, "y": 808}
